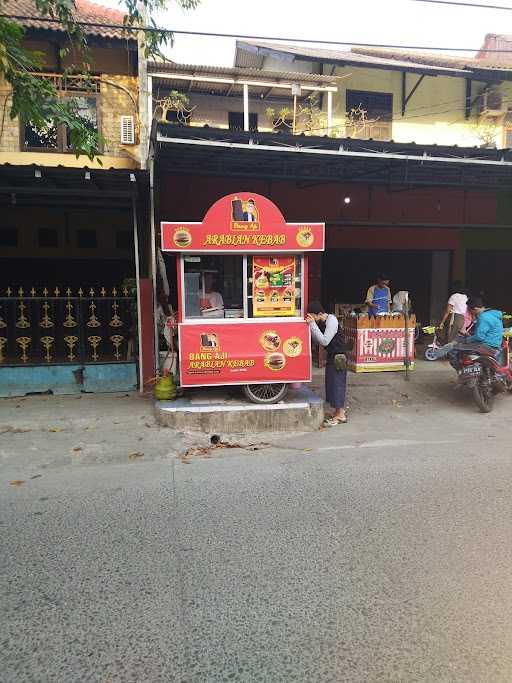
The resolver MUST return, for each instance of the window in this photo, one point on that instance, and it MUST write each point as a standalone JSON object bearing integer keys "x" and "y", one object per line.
{"x": 124, "y": 239}
{"x": 87, "y": 112}
{"x": 57, "y": 138}
{"x": 8, "y": 237}
{"x": 274, "y": 286}
{"x": 47, "y": 237}
{"x": 369, "y": 115}
{"x": 236, "y": 121}
{"x": 40, "y": 138}
{"x": 86, "y": 239}
{"x": 214, "y": 286}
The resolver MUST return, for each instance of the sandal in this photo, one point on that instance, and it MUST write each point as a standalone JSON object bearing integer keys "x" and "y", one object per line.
{"x": 333, "y": 421}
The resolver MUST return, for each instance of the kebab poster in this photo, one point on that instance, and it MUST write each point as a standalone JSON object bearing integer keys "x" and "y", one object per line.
{"x": 273, "y": 286}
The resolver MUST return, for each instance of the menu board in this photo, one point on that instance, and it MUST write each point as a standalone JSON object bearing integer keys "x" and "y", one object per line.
{"x": 273, "y": 286}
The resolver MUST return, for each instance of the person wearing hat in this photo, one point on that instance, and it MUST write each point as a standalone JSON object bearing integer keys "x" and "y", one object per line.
{"x": 378, "y": 297}
{"x": 326, "y": 331}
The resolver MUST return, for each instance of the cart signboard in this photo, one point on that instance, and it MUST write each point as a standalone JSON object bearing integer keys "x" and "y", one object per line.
{"x": 244, "y": 354}
{"x": 243, "y": 222}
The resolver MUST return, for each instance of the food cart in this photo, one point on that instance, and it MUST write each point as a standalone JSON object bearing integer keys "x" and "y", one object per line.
{"x": 242, "y": 293}
{"x": 382, "y": 343}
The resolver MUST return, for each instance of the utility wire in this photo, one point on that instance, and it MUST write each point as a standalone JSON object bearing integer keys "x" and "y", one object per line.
{"x": 465, "y": 4}
{"x": 168, "y": 31}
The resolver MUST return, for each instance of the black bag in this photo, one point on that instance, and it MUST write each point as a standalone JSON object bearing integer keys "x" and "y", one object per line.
{"x": 339, "y": 343}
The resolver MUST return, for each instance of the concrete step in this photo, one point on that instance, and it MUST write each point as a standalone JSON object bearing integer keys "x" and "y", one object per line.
{"x": 215, "y": 411}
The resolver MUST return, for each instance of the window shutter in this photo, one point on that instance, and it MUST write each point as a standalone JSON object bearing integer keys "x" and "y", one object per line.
{"x": 127, "y": 130}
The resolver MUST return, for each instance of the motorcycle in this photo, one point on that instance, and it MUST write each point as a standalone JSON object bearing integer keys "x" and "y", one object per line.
{"x": 482, "y": 371}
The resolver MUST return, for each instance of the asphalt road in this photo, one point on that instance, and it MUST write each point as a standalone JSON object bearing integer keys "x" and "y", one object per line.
{"x": 354, "y": 558}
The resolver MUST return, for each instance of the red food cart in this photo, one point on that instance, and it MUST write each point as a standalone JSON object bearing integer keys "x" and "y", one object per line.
{"x": 242, "y": 293}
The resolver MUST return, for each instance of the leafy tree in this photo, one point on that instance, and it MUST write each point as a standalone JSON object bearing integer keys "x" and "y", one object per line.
{"x": 36, "y": 99}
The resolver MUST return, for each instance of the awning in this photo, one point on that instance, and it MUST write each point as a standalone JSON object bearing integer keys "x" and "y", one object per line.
{"x": 61, "y": 185}
{"x": 307, "y": 158}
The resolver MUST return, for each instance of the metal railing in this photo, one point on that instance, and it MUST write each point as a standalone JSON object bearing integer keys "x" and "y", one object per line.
{"x": 81, "y": 327}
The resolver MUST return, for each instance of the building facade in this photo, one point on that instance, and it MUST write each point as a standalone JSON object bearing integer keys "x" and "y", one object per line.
{"x": 405, "y": 184}
{"x": 75, "y": 285}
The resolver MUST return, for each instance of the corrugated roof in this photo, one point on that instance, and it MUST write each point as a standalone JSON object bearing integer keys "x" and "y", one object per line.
{"x": 435, "y": 59}
{"x": 254, "y": 51}
{"x": 86, "y": 11}
{"x": 240, "y": 73}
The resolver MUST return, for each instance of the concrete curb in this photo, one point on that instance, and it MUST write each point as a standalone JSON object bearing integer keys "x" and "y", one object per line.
{"x": 301, "y": 411}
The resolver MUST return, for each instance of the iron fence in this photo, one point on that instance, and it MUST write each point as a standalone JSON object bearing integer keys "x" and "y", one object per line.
{"x": 42, "y": 327}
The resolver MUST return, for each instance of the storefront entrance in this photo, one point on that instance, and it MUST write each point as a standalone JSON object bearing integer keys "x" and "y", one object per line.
{"x": 68, "y": 287}
{"x": 487, "y": 273}
{"x": 347, "y": 274}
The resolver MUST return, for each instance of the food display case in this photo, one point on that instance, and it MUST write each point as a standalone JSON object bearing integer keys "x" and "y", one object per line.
{"x": 384, "y": 342}
{"x": 242, "y": 296}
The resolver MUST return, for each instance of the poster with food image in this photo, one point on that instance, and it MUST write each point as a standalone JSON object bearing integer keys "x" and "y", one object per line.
{"x": 216, "y": 354}
{"x": 292, "y": 347}
{"x": 273, "y": 286}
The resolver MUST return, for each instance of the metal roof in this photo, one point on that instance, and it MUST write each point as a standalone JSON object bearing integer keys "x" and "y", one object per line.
{"x": 323, "y": 159}
{"x": 252, "y": 54}
{"x": 61, "y": 185}
{"x": 240, "y": 73}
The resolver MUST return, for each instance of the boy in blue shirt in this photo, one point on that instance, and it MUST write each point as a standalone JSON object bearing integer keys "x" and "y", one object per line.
{"x": 489, "y": 325}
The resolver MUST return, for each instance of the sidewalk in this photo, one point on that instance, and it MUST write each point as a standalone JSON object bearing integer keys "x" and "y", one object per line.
{"x": 43, "y": 432}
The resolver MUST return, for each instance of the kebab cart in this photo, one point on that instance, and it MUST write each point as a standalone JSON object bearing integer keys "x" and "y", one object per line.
{"x": 242, "y": 295}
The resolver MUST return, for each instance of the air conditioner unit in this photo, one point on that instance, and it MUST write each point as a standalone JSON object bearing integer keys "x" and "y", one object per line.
{"x": 127, "y": 130}
{"x": 491, "y": 103}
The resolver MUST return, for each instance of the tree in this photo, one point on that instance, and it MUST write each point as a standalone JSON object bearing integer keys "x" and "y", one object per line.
{"x": 36, "y": 99}
{"x": 311, "y": 120}
{"x": 176, "y": 102}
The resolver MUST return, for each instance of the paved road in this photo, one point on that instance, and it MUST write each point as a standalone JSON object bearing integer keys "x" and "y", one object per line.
{"x": 363, "y": 557}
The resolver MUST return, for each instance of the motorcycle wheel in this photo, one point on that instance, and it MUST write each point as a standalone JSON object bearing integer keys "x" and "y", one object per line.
{"x": 429, "y": 353}
{"x": 483, "y": 396}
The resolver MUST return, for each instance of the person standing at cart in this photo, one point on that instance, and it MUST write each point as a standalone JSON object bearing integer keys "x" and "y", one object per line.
{"x": 378, "y": 297}
{"x": 455, "y": 316}
{"x": 326, "y": 331}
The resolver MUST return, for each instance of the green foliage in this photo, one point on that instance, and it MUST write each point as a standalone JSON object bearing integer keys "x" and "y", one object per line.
{"x": 154, "y": 40}
{"x": 35, "y": 99}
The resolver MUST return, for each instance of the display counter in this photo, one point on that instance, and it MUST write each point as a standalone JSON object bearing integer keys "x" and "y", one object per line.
{"x": 380, "y": 343}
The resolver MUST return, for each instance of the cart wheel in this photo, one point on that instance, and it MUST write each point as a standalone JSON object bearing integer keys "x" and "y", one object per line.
{"x": 265, "y": 393}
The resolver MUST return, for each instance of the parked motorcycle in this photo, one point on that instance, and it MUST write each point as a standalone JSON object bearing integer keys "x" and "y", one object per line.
{"x": 483, "y": 372}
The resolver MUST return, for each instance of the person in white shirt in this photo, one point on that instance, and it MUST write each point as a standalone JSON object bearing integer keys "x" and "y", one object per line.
{"x": 213, "y": 300}
{"x": 452, "y": 321}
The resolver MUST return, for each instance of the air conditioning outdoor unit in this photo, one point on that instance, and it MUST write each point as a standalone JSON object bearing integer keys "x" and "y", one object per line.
{"x": 491, "y": 103}
{"x": 127, "y": 130}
